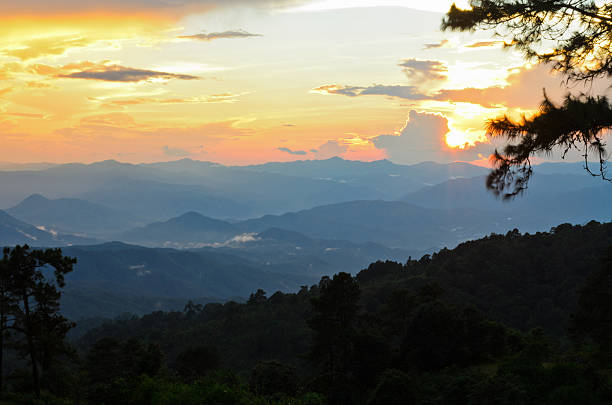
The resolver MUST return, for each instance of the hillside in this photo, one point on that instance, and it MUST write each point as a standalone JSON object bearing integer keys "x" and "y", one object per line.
{"x": 537, "y": 287}
{"x": 433, "y": 329}
{"x": 73, "y": 215}
{"x": 170, "y": 273}
{"x": 188, "y": 230}
{"x": 391, "y": 223}
{"x": 15, "y": 232}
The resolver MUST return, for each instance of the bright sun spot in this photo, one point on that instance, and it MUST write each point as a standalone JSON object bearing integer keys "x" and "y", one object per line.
{"x": 463, "y": 139}
{"x": 456, "y": 139}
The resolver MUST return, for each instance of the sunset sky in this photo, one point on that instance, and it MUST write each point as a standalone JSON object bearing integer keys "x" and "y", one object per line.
{"x": 250, "y": 81}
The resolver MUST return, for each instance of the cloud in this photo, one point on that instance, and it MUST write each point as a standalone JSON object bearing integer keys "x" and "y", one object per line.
{"x": 175, "y": 152}
{"x": 292, "y": 152}
{"x": 435, "y": 45}
{"x": 51, "y": 45}
{"x": 484, "y": 44}
{"x": 228, "y": 98}
{"x": 220, "y": 35}
{"x": 424, "y": 70}
{"x": 351, "y": 91}
{"x": 405, "y": 92}
{"x": 163, "y": 8}
{"x": 423, "y": 138}
{"x": 116, "y": 73}
{"x": 523, "y": 90}
{"x": 26, "y": 115}
{"x": 329, "y": 149}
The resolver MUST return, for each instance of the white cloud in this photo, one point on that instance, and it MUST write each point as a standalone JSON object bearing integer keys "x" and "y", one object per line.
{"x": 423, "y": 138}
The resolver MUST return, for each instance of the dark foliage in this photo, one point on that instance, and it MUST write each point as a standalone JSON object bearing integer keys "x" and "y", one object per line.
{"x": 580, "y": 32}
{"x": 428, "y": 331}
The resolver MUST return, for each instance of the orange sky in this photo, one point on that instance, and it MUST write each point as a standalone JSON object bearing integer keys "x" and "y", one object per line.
{"x": 242, "y": 82}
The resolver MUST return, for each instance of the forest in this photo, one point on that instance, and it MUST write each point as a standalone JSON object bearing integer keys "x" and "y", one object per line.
{"x": 514, "y": 318}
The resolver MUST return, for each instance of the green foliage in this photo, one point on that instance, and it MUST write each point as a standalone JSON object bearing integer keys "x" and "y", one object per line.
{"x": 30, "y": 305}
{"x": 197, "y": 361}
{"x": 394, "y": 388}
{"x": 429, "y": 331}
{"x": 208, "y": 391}
{"x": 272, "y": 377}
{"x": 593, "y": 317}
{"x": 579, "y": 120}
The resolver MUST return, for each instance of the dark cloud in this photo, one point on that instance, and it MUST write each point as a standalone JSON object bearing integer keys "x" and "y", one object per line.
{"x": 524, "y": 89}
{"x": 175, "y": 152}
{"x": 292, "y": 152}
{"x": 351, "y": 91}
{"x": 440, "y": 44}
{"x": 116, "y": 73}
{"x": 405, "y": 92}
{"x": 419, "y": 70}
{"x": 484, "y": 44}
{"x": 424, "y": 138}
{"x": 220, "y": 35}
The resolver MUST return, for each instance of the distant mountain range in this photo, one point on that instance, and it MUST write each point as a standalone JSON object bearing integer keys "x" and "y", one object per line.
{"x": 173, "y": 188}
{"x": 550, "y": 199}
{"x": 14, "y": 232}
{"x": 394, "y": 224}
{"x": 188, "y": 230}
{"x": 335, "y": 199}
{"x": 73, "y": 215}
{"x": 275, "y": 226}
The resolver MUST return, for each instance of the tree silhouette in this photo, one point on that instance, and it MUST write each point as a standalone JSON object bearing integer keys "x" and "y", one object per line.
{"x": 580, "y": 33}
{"x": 36, "y": 314}
{"x": 333, "y": 324}
{"x": 593, "y": 317}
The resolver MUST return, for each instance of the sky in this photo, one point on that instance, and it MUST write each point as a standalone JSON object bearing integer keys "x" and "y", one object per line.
{"x": 250, "y": 81}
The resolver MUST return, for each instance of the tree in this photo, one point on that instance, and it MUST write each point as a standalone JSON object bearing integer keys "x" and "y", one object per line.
{"x": 593, "y": 317}
{"x": 197, "y": 361}
{"x": 273, "y": 377}
{"x": 36, "y": 313}
{"x": 333, "y": 323}
{"x": 8, "y": 307}
{"x": 579, "y": 32}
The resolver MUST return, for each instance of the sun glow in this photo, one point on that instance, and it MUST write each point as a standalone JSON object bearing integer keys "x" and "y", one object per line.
{"x": 457, "y": 139}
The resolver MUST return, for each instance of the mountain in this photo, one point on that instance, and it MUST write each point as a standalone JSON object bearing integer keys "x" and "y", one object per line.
{"x": 157, "y": 200}
{"x": 16, "y": 232}
{"x": 9, "y": 166}
{"x": 188, "y": 230}
{"x": 171, "y": 273}
{"x": 165, "y": 191}
{"x": 73, "y": 215}
{"x": 388, "y": 179}
{"x": 281, "y": 251}
{"x": 173, "y": 188}
{"x": 550, "y": 199}
{"x": 394, "y": 224}
{"x": 439, "y": 319}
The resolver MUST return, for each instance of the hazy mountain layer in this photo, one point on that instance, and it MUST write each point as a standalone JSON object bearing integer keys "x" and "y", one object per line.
{"x": 549, "y": 200}
{"x": 16, "y": 232}
{"x": 74, "y": 215}
{"x": 164, "y": 190}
